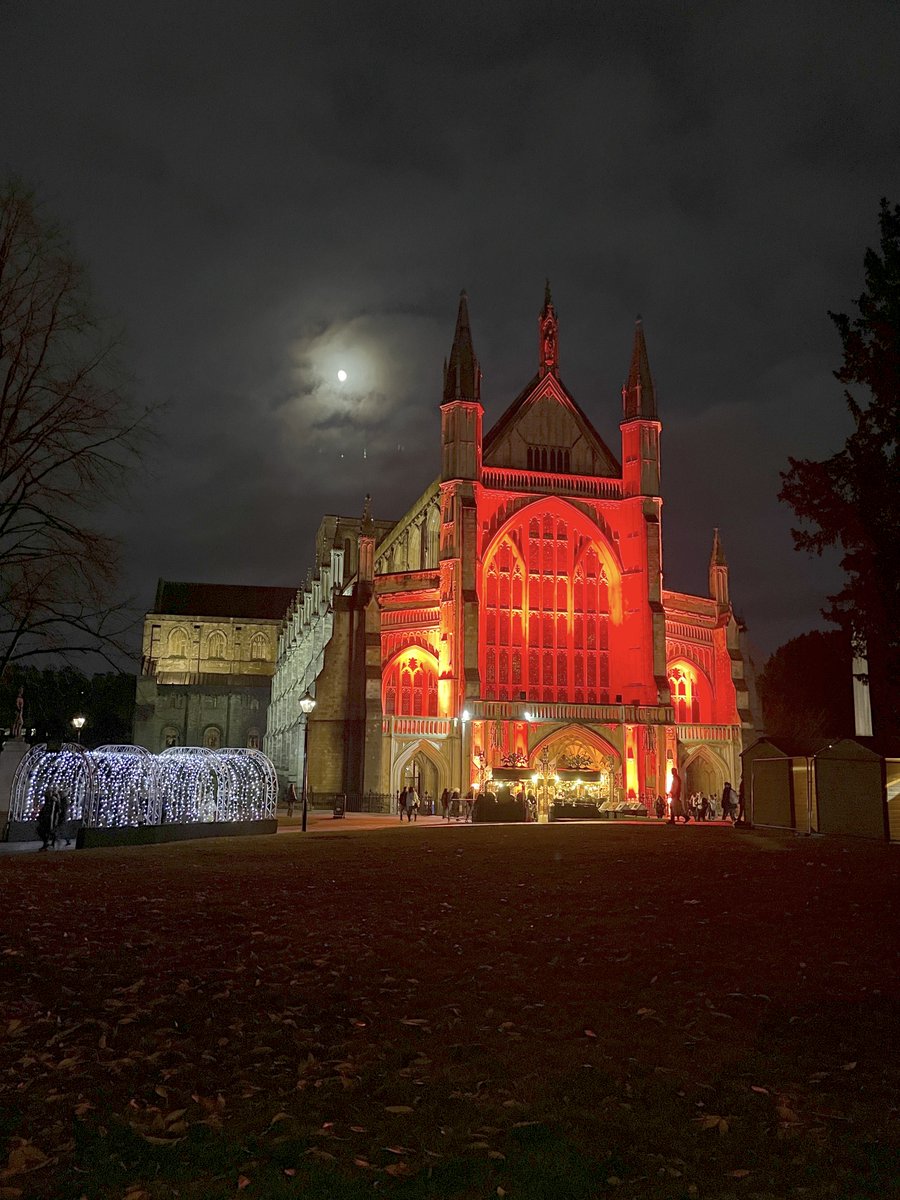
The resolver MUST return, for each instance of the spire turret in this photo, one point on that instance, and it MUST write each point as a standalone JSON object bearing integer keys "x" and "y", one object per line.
{"x": 462, "y": 373}
{"x": 639, "y": 394}
{"x": 717, "y": 558}
{"x": 548, "y": 327}
{"x": 718, "y": 572}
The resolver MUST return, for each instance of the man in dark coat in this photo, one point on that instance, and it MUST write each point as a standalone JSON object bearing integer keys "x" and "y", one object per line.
{"x": 677, "y": 810}
{"x": 47, "y": 820}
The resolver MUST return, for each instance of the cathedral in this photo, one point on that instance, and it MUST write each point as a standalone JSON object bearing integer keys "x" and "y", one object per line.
{"x": 513, "y": 629}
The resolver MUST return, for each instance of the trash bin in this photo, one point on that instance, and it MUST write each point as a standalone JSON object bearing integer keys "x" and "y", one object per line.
{"x": 340, "y": 805}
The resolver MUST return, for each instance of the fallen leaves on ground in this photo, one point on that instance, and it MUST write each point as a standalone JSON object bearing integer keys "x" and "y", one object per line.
{"x": 266, "y": 1005}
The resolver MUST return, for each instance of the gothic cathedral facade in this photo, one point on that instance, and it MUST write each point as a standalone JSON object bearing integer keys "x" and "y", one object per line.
{"x": 513, "y": 628}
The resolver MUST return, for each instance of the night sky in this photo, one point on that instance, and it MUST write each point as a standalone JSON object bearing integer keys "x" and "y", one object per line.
{"x": 267, "y": 193}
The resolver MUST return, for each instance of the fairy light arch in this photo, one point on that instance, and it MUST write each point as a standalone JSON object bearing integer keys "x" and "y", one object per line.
{"x": 252, "y": 791}
{"x": 68, "y": 769}
{"x": 125, "y": 791}
{"x": 127, "y": 786}
{"x": 192, "y": 784}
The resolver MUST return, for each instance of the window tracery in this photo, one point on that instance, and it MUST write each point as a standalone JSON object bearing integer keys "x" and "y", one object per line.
{"x": 683, "y": 684}
{"x": 409, "y": 687}
{"x": 178, "y": 644}
{"x": 545, "y": 614}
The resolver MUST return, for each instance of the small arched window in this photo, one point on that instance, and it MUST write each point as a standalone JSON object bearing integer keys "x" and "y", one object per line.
{"x": 178, "y": 644}
{"x": 252, "y": 739}
{"x": 215, "y": 646}
{"x": 212, "y": 737}
{"x": 169, "y": 738}
{"x": 259, "y": 647}
{"x": 433, "y": 538}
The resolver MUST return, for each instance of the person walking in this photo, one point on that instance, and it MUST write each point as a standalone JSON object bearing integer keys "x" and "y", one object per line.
{"x": 676, "y": 809}
{"x": 401, "y": 804}
{"x": 469, "y": 804}
{"x": 291, "y": 799}
{"x": 60, "y": 829}
{"x": 412, "y": 805}
{"x": 727, "y": 802}
{"x": 46, "y": 820}
{"x": 445, "y": 804}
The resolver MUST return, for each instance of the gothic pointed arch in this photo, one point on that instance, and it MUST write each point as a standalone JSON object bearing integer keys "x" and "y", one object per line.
{"x": 179, "y": 643}
{"x": 216, "y": 644}
{"x": 427, "y": 750}
{"x": 551, "y": 601}
{"x": 409, "y": 683}
{"x": 572, "y": 739}
{"x": 691, "y": 692}
{"x": 704, "y": 771}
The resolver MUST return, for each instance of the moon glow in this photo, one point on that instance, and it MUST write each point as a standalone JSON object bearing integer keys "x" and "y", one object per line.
{"x": 342, "y": 376}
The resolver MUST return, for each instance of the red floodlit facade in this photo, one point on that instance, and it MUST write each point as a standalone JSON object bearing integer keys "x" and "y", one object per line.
{"x": 512, "y": 630}
{"x": 538, "y": 646}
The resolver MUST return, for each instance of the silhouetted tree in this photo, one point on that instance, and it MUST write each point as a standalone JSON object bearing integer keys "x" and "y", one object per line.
{"x": 69, "y": 437}
{"x": 806, "y": 688}
{"x": 53, "y": 696}
{"x": 852, "y": 500}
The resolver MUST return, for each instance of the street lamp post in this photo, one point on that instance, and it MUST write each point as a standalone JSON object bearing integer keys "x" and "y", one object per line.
{"x": 307, "y": 704}
{"x": 78, "y": 723}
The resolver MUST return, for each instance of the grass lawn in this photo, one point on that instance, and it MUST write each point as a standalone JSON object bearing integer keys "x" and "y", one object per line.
{"x": 519, "y": 1011}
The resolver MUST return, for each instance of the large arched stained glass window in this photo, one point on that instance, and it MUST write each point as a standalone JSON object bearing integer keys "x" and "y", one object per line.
{"x": 545, "y": 611}
{"x": 409, "y": 685}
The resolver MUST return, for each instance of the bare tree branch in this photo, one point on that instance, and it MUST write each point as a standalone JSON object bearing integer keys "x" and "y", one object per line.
{"x": 70, "y": 439}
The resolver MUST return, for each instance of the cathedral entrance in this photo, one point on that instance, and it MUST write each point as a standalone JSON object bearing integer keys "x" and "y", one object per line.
{"x": 703, "y": 774}
{"x": 421, "y": 773}
{"x": 575, "y": 774}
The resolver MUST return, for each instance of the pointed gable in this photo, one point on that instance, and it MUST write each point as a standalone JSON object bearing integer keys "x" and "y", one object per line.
{"x": 544, "y": 429}
{"x": 545, "y": 416}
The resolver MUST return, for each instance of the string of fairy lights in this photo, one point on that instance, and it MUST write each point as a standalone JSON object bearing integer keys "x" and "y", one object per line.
{"x": 121, "y": 786}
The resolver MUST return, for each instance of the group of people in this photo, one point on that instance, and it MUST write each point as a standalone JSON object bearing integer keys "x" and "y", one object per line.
{"x": 408, "y": 804}
{"x": 698, "y": 806}
{"x": 455, "y": 807}
{"x": 52, "y": 818}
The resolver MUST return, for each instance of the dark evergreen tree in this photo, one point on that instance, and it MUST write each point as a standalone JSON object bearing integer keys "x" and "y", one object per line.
{"x": 852, "y": 500}
{"x": 53, "y": 696}
{"x": 806, "y": 688}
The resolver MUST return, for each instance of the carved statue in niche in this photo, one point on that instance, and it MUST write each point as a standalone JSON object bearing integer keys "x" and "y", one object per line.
{"x": 18, "y": 725}
{"x": 548, "y": 343}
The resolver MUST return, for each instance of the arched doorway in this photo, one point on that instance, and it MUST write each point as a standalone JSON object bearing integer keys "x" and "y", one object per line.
{"x": 423, "y": 767}
{"x": 573, "y": 765}
{"x": 704, "y": 773}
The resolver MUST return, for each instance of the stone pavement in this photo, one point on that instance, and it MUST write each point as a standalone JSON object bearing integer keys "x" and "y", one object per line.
{"x": 321, "y": 821}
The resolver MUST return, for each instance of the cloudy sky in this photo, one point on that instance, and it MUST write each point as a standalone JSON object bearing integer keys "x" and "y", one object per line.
{"x": 269, "y": 192}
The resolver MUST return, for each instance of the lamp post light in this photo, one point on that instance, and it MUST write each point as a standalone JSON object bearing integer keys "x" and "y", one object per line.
{"x": 307, "y": 704}
{"x": 78, "y": 723}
